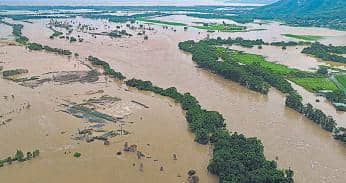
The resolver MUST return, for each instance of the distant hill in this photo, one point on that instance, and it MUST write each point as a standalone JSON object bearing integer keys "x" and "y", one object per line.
{"x": 321, "y": 13}
{"x": 252, "y": 1}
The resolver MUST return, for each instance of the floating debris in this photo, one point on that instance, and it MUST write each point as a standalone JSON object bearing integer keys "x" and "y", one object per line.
{"x": 145, "y": 106}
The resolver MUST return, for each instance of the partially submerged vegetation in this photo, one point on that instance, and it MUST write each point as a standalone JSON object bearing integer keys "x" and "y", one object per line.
{"x": 20, "y": 157}
{"x": 314, "y": 84}
{"x": 304, "y": 37}
{"x": 106, "y": 68}
{"x": 326, "y": 53}
{"x": 161, "y": 22}
{"x": 230, "y": 150}
{"x": 55, "y": 33}
{"x": 255, "y": 73}
{"x": 14, "y": 72}
{"x": 17, "y": 32}
{"x": 221, "y": 27}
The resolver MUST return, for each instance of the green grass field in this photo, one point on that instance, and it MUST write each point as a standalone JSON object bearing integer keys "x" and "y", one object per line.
{"x": 315, "y": 84}
{"x": 341, "y": 79}
{"x": 304, "y": 37}
{"x": 162, "y": 22}
{"x": 221, "y": 27}
{"x": 247, "y": 58}
{"x": 310, "y": 81}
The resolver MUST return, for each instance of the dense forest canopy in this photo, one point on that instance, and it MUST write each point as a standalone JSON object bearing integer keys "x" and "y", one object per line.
{"x": 321, "y": 13}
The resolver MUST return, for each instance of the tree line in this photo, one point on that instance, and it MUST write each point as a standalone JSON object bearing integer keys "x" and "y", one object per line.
{"x": 106, "y": 68}
{"x": 236, "y": 158}
{"x": 38, "y": 47}
{"x": 248, "y": 43}
{"x": 20, "y": 157}
{"x": 326, "y": 53}
{"x": 255, "y": 77}
{"x": 17, "y": 32}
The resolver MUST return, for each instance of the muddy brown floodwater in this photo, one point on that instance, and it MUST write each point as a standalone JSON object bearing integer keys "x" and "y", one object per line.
{"x": 44, "y": 126}
{"x": 287, "y": 136}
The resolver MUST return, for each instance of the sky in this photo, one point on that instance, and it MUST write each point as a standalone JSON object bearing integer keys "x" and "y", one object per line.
{"x": 121, "y": 2}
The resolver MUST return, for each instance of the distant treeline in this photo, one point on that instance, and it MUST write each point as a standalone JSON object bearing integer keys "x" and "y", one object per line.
{"x": 248, "y": 43}
{"x": 122, "y": 19}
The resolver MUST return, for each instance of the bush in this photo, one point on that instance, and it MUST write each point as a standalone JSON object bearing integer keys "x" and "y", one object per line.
{"x": 77, "y": 154}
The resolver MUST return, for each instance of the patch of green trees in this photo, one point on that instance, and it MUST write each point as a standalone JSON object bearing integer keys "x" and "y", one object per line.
{"x": 326, "y": 53}
{"x": 106, "y": 67}
{"x": 253, "y": 76}
{"x": 340, "y": 134}
{"x": 294, "y": 101}
{"x": 38, "y": 47}
{"x": 9, "y": 73}
{"x": 17, "y": 32}
{"x": 257, "y": 77}
{"x": 236, "y": 158}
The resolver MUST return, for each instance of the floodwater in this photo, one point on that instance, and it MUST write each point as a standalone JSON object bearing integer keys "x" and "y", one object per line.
{"x": 287, "y": 136}
{"x": 43, "y": 126}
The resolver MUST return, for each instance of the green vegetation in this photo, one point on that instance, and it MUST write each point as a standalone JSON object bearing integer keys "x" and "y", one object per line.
{"x": 10, "y": 73}
{"x": 77, "y": 154}
{"x": 57, "y": 50}
{"x": 161, "y": 22}
{"x": 35, "y": 46}
{"x": 340, "y": 134}
{"x": 123, "y": 19}
{"x": 247, "y": 58}
{"x": 55, "y": 33}
{"x": 326, "y": 53}
{"x": 107, "y": 69}
{"x": 304, "y": 37}
{"x": 255, "y": 73}
{"x": 315, "y": 83}
{"x": 341, "y": 79}
{"x": 20, "y": 157}
{"x": 72, "y": 39}
{"x": 320, "y": 13}
{"x": 294, "y": 101}
{"x": 17, "y": 32}
{"x": 221, "y": 27}
{"x": 230, "y": 151}
{"x": 38, "y": 47}
{"x": 210, "y": 16}
{"x": 118, "y": 34}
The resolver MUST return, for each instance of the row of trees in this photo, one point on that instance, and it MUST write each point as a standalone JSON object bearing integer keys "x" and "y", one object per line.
{"x": 38, "y": 47}
{"x": 106, "y": 68}
{"x": 253, "y": 76}
{"x": 294, "y": 101}
{"x": 258, "y": 78}
{"x": 206, "y": 57}
{"x": 17, "y": 32}
{"x": 20, "y": 157}
{"x": 248, "y": 43}
{"x": 236, "y": 158}
{"x": 327, "y": 53}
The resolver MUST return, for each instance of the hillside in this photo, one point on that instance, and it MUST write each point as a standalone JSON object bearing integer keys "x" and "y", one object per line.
{"x": 320, "y": 13}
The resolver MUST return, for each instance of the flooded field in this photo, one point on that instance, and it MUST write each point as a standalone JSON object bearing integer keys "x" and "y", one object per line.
{"x": 287, "y": 136}
{"x": 43, "y": 125}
